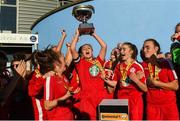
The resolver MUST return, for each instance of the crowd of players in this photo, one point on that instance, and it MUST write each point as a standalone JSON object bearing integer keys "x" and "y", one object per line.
{"x": 71, "y": 87}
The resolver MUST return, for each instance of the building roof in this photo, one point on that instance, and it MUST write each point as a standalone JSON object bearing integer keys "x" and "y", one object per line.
{"x": 57, "y": 10}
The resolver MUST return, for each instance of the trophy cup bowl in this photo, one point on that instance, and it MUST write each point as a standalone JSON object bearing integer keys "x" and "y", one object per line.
{"x": 83, "y": 13}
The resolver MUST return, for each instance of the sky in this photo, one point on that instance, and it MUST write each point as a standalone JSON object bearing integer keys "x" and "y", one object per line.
{"x": 115, "y": 21}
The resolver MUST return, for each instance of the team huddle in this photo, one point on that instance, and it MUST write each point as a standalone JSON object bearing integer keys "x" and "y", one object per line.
{"x": 71, "y": 87}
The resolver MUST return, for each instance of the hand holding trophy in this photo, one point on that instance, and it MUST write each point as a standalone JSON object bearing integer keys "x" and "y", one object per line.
{"x": 83, "y": 13}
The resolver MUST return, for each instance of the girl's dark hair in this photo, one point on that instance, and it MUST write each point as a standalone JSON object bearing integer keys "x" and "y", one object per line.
{"x": 80, "y": 49}
{"x": 35, "y": 57}
{"x": 142, "y": 55}
{"x": 19, "y": 56}
{"x": 117, "y": 59}
{"x": 156, "y": 44}
{"x": 178, "y": 24}
{"x": 133, "y": 48}
{"x": 46, "y": 60}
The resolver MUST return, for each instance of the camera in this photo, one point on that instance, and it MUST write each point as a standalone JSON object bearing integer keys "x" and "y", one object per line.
{"x": 174, "y": 38}
{"x": 178, "y": 39}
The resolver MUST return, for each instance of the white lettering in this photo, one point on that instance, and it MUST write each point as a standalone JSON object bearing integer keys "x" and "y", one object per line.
{"x": 17, "y": 38}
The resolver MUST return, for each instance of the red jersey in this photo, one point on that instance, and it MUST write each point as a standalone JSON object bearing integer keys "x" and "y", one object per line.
{"x": 108, "y": 64}
{"x": 92, "y": 84}
{"x": 108, "y": 69}
{"x": 109, "y": 74}
{"x": 56, "y": 87}
{"x": 127, "y": 87}
{"x": 35, "y": 90}
{"x": 165, "y": 74}
{"x": 75, "y": 83}
{"x": 36, "y": 84}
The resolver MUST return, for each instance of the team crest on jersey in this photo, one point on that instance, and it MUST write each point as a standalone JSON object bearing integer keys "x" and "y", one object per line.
{"x": 94, "y": 70}
{"x": 132, "y": 70}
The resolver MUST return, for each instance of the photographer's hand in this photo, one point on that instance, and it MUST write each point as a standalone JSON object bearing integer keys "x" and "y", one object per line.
{"x": 21, "y": 68}
{"x": 175, "y": 36}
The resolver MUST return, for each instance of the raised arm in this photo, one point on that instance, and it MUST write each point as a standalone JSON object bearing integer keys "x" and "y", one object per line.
{"x": 68, "y": 57}
{"x": 73, "y": 45}
{"x": 103, "y": 45}
{"x": 61, "y": 41}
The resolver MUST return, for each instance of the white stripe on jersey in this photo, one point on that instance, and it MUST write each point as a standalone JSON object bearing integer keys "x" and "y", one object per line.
{"x": 141, "y": 69}
{"x": 48, "y": 87}
{"x": 139, "y": 65}
{"x": 172, "y": 68}
{"x": 77, "y": 60}
{"x": 39, "y": 110}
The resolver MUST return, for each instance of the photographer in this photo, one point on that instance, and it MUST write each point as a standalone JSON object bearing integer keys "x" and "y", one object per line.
{"x": 21, "y": 107}
{"x": 175, "y": 51}
{"x": 175, "y": 48}
{"x": 8, "y": 84}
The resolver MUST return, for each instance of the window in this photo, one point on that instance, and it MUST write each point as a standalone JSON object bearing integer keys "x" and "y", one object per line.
{"x": 11, "y": 2}
{"x": 8, "y": 19}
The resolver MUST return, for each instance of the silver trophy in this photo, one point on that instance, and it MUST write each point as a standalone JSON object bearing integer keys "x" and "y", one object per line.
{"x": 83, "y": 13}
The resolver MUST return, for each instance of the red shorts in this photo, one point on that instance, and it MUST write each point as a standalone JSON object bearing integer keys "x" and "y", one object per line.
{"x": 162, "y": 112}
{"x": 136, "y": 108}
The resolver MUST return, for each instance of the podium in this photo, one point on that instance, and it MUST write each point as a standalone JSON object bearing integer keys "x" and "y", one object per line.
{"x": 113, "y": 109}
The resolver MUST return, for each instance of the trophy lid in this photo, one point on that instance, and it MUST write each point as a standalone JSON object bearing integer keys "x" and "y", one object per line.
{"x": 83, "y": 12}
